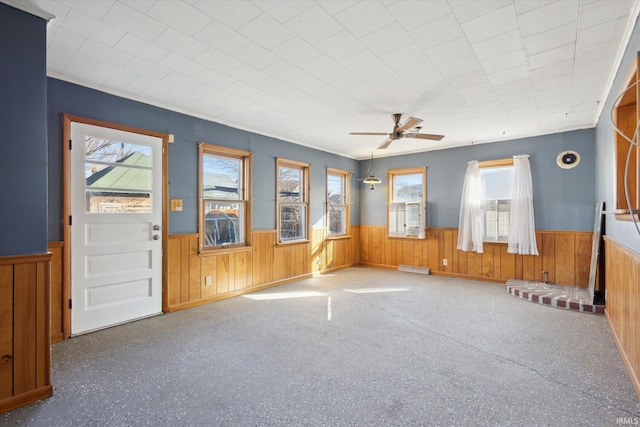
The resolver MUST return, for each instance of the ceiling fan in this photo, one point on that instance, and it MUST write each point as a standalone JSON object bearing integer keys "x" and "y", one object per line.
{"x": 411, "y": 124}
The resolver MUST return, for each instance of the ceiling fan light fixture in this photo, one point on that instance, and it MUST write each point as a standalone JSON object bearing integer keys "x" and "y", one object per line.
{"x": 372, "y": 180}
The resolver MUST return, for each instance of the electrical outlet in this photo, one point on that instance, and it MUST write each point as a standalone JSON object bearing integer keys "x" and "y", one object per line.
{"x": 445, "y": 261}
{"x": 207, "y": 280}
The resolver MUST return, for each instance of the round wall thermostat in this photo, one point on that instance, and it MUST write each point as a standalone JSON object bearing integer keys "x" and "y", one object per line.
{"x": 568, "y": 159}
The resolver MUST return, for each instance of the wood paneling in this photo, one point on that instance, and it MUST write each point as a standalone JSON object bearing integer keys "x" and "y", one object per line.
{"x": 622, "y": 273}
{"x": 243, "y": 270}
{"x": 25, "y": 335}
{"x": 565, "y": 255}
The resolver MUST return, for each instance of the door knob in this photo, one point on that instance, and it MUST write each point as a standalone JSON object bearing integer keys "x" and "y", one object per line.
{"x": 156, "y": 227}
{"x": 156, "y": 237}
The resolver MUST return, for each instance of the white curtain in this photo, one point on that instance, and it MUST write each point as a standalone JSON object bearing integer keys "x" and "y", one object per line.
{"x": 470, "y": 225}
{"x": 522, "y": 227}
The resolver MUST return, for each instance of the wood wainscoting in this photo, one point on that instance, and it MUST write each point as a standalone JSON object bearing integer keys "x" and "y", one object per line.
{"x": 622, "y": 302}
{"x": 57, "y": 328}
{"x": 564, "y": 255}
{"x": 264, "y": 264}
{"x": 25, "y": 334}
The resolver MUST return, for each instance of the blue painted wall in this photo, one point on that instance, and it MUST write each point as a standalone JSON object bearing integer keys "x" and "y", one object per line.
{"x": 23, "y": 146}
{"x": 64, "y": 97}
{"x": 563, "y": 199}
{"x": 621, "y": 231}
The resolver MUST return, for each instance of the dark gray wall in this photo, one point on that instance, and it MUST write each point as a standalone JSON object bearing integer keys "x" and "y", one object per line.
{"x": 64, "y": 97}
{"x": 23, "y": 146}
{"x": 620, "y": 231}
{"x": 563, "y": 199}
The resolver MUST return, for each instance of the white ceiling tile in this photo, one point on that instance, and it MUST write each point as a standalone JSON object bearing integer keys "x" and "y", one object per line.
{"x": 143, "y": 83}
{"x": 180, "y": 43}
{"x": 564, "y": 80}
{"x": 297, "y": 51}
{"x": 222, "y": 37}
{"x": 524, "y": 6}
{"x": 548, "y": 17}
{"x": 497, "y": 46}
{"x": 146, "y": 68}
{"x": 95, "y": 9}
{"x": 306, "y": 82}
{"x": 485, "y": 99}
{"x": 256, "y": 55}
{"x": 113, "y": 76}
{"x": 314, "y": 25}
{"x": 413, "y": 14}
{"x": 64, "y": 38}
{"x": 283, "y": 70}
{"x": 601, "y": 33}
{"x": 92, "y": 28}
{"x": 550, "y": 57}
{"x": 180, "y": 81}
{"x": 321, "y": 66}
{"x": 599, "y": 12}
{"x": 214, "y": 78}
{"x": 466, "y": 10}
{"x": 551, "y": 39}
{"x": 134, "y": 22}
{"x": 449, "y": 51}
{"x": 471, "y": 78}
{"x": 491, "y": 24}
{"x": 242, "y": 89}
{"x": 387, "y": 39}
{"x": 551, "y": 71}
{"x": 138, "y": 47}
{"x": 362, "y": 61}
{"x": 512, "y": 87}
{"x": 284, "y": 10}
{"x": 406, "y": 56}
{"x": 250, "y": 75}
{"x": 504, "y": 62}
{"x": 140, "y": 5}
{"x": 105, "y": 53}
{"x": 340, "y": 45}
{"x": 234, "y": 14}
{"x": 333, "y": 7}
{"x": 475, "y": 90}
{"x": 217, "y": 60}
{"x": 266, "y": 31}
{"x": 510, "y": 75}
{"x": 365, "y": 17}
{"x": 436, "y": 32}
{"x": 553, "y": 92}
{"x": 179, "y": 15}
{"x": 182, "y": 65}
{"x": 412, "y": 72}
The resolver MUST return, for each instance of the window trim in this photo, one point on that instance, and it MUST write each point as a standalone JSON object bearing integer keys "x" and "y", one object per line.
{"x": 496, "y": 163}
{"x": 306, "y": 186}
{"x": 346, "y": 176}
{"x": 407, "y": 171}
{"x": 246, "y": 158}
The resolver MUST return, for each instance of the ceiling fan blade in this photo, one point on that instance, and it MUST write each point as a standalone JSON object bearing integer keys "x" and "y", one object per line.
{"x": 423, "y": 136}
{"x": 410, "y": 123}
{"x": 368, "y": 133}
{"x": 385, "y": 144}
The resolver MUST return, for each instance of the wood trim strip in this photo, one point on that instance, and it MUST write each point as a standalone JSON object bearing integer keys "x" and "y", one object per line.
{"x": 23, "y": 399}
{"x": 496, "y": 163}
{"x": 25, "y": 259}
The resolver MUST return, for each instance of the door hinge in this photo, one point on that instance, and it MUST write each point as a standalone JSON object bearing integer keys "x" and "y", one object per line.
{"x": 70, "y": 304}
{"x": 70, "y": 144}
{"x": 70, "y": 220}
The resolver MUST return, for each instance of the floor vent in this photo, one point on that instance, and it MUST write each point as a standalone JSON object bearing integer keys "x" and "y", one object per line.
{"x": 409, "y": 269}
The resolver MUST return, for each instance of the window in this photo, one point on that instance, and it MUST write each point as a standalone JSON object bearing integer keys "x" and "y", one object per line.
{"x": 337, "y": 202}
{"x": 496, "y": 181}
{"x": 293, "y": 200}
{"x": 225, "y": 196}
{"x": 406, "y": 201}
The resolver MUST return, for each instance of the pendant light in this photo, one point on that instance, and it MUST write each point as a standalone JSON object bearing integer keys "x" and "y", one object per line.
{"x": 372, "y": 179}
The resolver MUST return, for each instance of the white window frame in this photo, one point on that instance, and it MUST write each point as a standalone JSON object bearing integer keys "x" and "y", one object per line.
{"x": 343, "y": 206}
{"x": 501, "y": 234}
{"x": 244, "y": 195}
{"x": 402, "y": 215}
{"x": 302, "y": 204}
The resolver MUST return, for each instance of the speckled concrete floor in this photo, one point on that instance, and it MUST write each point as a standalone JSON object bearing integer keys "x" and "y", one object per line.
{"x": 356, "y": 347}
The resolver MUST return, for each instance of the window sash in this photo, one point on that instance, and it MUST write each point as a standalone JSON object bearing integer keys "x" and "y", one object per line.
{"x": 337, "y": 215}
{"x": 293, "y": 221}
{"x": 406, "y": 219}
{"x": 495, "y": 220}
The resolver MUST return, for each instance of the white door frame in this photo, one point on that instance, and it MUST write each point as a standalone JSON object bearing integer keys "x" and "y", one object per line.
{"x": 67, "y": 119}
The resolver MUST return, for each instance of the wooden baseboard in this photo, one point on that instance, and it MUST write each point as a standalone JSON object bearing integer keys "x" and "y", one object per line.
{"x": 30, "y": 396}
{"x": 55, "y": 337}
{"x": 467, "y": 276}
{"x": 385, "y": 266}
{"x": 178, "y": 307}
{"x": 623, "y": 355}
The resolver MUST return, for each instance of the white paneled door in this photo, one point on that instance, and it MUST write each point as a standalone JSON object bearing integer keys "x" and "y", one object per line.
{"x": 116, "y": 227}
